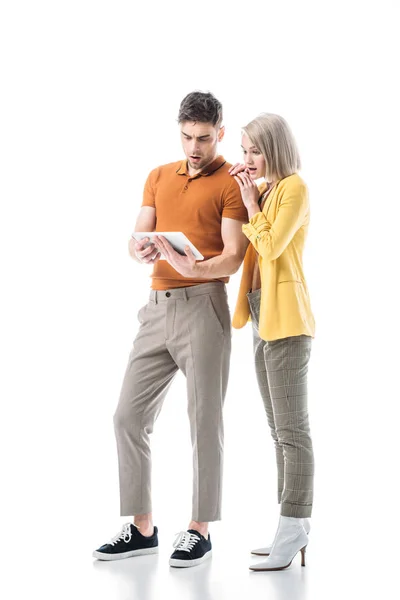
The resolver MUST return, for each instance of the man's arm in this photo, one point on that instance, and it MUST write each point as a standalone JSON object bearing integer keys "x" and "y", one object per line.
{"x": 227, "y": 263}
{"x": 146, "y": 221}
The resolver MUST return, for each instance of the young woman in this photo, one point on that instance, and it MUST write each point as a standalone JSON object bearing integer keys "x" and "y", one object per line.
{"x": 274, "y": 296}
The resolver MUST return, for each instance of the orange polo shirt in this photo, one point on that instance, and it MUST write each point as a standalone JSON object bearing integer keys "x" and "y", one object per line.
{"x": 194, "y": 205}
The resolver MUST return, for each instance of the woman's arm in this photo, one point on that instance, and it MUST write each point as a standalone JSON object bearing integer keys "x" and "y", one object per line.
{"x": 271, "y": 239}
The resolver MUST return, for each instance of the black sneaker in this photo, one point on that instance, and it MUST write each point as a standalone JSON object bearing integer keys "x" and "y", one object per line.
{"x": 192, "y": 548}
{"x": 129, "y": 542}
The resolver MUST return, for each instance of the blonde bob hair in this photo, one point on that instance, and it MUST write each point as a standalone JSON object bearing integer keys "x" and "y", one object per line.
{"x": 272, "y": 136}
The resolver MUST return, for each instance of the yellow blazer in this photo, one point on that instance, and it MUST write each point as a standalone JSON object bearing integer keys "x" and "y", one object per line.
{"x": 278, "y": 234}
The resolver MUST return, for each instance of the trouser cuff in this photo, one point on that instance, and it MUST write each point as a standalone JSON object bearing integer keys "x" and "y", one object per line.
{"x": 300, "y": 511}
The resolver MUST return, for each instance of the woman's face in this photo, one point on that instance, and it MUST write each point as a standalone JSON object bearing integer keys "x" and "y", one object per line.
{"x": 253, "y": 159}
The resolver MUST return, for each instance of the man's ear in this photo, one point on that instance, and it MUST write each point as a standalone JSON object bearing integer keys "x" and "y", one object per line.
{"x": 221, "y": 133}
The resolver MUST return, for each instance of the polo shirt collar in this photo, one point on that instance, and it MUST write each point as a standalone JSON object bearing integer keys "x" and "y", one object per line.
{"x": 208, "y": 170}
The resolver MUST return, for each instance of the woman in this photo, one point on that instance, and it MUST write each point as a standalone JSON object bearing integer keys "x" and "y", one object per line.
{"x": 273, "y": 294}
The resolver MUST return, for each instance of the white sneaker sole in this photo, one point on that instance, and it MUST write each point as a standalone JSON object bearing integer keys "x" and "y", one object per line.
{"x": 176, "y": 562}
{"x": 140, "y": 552}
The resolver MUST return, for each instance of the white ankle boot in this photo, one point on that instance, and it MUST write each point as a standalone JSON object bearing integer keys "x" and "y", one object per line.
{"x": 290, "y": 539}
{"x": 267, "y": 550}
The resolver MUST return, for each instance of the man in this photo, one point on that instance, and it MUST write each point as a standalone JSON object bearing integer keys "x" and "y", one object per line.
{"x": 185, "y": 325}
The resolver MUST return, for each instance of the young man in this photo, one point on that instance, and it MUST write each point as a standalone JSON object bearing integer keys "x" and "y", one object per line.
{"x": 185, "y": 325}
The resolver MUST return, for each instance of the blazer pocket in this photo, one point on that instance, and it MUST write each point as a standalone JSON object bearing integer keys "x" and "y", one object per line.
{"x": 285, "y": 276}
{"x": 290, "y": 281}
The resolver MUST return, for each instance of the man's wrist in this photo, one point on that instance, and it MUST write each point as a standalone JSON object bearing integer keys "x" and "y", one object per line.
{"x": 195, "y": 271}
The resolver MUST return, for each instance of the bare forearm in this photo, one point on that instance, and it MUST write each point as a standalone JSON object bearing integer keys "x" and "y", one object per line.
{"x": 146, "y": 221}
{"x": 219, "y": 266}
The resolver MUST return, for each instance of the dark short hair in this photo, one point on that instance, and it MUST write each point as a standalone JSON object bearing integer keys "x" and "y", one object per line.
{"x": 200, "y": 106}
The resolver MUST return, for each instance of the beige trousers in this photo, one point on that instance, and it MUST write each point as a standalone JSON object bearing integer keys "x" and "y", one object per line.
{"x": 187, "y": 329}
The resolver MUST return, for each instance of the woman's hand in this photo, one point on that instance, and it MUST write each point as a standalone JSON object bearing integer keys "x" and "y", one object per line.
{"x": 237, "y": 168}
{"x": 185, "y": 265}
{"x": 249, "y": 191}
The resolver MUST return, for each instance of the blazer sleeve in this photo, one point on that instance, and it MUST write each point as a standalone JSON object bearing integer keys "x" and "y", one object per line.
{"x": 271, "y": 239}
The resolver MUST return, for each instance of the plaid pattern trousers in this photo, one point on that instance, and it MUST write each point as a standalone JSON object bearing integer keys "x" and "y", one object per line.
{"x": 281, "y": 369}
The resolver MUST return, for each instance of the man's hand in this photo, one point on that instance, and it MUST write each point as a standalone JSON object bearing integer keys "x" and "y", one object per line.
{"x": 148, "y": 255}
{"x": 185, "y": 265}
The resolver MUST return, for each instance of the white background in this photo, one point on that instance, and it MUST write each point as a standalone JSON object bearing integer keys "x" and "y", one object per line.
{"x": 89, "y": 100}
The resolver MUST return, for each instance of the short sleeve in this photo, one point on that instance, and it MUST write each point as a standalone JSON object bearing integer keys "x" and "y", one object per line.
{"x": 233, "y": 207}
{"x": 149, "y": 192}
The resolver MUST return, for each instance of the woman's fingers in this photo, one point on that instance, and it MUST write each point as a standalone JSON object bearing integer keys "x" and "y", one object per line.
{"x": 237, "y": 168}
{"x": 244, "y": 177}
{"x": 249, "y": 180}
{"x": 239, "y": 181}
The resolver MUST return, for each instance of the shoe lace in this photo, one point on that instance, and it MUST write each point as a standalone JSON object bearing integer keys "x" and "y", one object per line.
{"x": 125, "y": 534}
{"x": 186, "y": 541}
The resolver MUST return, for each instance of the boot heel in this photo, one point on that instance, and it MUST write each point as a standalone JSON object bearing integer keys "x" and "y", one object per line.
{"x": 303, "y": 556}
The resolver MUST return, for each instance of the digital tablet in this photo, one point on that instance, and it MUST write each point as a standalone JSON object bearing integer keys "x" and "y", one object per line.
{"x": 177, "y": 239}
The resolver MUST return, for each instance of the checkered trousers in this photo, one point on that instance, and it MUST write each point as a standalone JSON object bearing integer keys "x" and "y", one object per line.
{"x": 281, "y": 369}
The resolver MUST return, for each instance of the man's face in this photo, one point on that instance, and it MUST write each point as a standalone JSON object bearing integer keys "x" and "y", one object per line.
{"x": 199, "y": 142}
